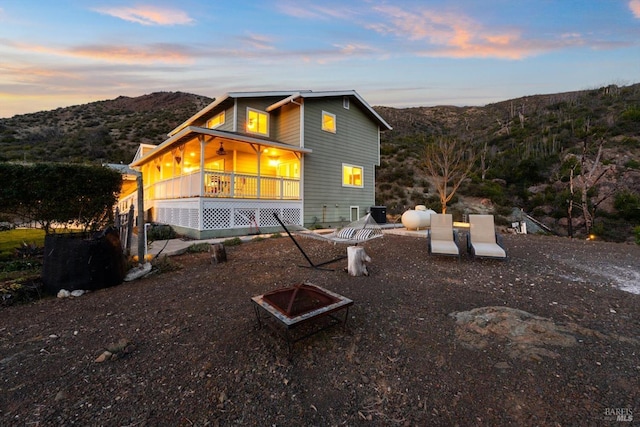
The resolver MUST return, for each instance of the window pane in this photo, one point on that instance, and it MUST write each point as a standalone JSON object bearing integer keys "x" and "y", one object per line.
{"x": 346, "y": 173}
{"x": 357, "y": 176}
{"x": 216, "y": 121}
{"x": 352, "y": 176}
{"x": 328, "y": 122}
{"x": 257, "y": 122}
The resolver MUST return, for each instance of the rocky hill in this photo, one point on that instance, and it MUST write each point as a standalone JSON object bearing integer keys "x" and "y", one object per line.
{"x": 105, "y": 131}
{"x": 529, "y": 146}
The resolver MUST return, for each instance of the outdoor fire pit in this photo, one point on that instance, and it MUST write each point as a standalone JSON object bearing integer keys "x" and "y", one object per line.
{"x": 302, "y": 304}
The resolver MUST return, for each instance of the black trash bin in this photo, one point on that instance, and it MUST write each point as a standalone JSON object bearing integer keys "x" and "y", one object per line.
{"x": 379, "y": 214}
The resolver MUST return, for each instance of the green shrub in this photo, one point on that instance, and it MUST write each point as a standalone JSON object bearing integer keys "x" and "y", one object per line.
{"x": 11, "y": 240}
{"x": 636, "y": 231}
{"x": 160, "y": 232}
{"x": 611, "y": 229}
{"x": 503, "y": 210}
{"x": 628, "y": 205}
{"x": 165, "y": 264}
{"x": 232, "y": 242}
{"x": 199, "y": 247}
{"x": 501, "y": 220}
{"x": 632, "y": 164}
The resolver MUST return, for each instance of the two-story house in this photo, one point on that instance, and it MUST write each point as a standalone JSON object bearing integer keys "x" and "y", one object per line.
{"x": 307, "y": 156}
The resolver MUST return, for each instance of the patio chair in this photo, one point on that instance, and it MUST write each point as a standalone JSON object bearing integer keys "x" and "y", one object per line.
{"x": 441, "y": 237}
{"x": 482, "y": 240}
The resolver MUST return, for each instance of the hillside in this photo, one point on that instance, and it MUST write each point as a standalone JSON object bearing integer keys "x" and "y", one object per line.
{"x": 529, "y": 146}
{"x": 104, "y": 131}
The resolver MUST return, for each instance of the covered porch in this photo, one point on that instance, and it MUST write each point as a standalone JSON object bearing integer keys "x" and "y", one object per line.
{"x": 205, "y": 180}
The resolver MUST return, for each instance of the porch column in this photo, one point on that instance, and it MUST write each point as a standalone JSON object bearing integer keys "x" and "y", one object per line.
{"x": 202, "y": 174}
{"x": 258, "y": 179}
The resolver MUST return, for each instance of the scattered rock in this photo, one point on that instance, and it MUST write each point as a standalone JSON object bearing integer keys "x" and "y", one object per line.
{"x": 138, "y": 272}
{"x": 116, "y": 351}
{"x": 525, "y": 333}
{"x": 106, "y": 355}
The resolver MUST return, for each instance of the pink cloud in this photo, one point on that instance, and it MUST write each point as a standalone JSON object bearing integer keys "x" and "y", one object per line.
{"x": 453, "y": 34}
{"x": 148, "y": 15}
{"x": 634, "y": 5}
{"x": 155, "y": 53}
{"x": 132, "y": 54}
{"x": 307, "y": 11}
{"x": 257, "y": 41}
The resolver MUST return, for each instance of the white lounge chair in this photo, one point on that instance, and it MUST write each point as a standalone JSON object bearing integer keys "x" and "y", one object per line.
{"x": 441, "y": 237}
{"x": 482, "y": 240}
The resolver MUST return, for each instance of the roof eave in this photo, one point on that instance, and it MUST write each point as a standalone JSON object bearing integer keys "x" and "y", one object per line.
{"x": 194, "y": 131}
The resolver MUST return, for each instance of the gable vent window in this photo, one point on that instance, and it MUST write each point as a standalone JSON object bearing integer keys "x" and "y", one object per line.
{"x": 328, "y": 122}
{"x": 257, "y": 122}
{"x": 345, "y": 102}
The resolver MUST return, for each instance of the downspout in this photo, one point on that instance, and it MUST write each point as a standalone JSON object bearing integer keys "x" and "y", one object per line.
{"x": 302, "y": 157}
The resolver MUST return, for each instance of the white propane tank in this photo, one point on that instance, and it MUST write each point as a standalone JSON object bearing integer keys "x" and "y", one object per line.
{"x": 417, "y": 219}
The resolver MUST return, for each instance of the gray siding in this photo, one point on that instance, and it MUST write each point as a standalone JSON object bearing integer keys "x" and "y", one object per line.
{"x": 355, "y": 142}
{"x": 228, "y": 120}
{"x": 285, "y": 124}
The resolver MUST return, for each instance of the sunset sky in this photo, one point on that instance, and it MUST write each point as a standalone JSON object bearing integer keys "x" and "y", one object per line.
{"x": 394, "y": 53}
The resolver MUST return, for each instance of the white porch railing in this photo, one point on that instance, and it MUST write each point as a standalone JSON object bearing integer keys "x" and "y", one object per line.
{"x": 245, "y": 186}
{"x": 225, "y": 185}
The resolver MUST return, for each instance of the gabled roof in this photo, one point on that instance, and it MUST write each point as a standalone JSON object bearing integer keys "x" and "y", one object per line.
{"x": 287, "y": 96}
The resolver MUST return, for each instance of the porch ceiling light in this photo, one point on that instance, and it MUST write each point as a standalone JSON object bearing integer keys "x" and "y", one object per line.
{"x": 221, "y": 151}
{"x": 274, "y": 161}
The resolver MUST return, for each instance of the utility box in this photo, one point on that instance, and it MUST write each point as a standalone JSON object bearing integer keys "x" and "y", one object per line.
{"x": 379, "y": 214}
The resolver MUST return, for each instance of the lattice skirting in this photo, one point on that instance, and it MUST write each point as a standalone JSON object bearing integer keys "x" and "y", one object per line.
{"x": 226, "y": 214}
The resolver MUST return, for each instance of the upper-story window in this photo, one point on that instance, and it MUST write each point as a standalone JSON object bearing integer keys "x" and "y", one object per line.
{"x": 345, "y": 102}
{"x": 216, "y": 121}
{"x": 257, "y": 122}
{"x": 328, "y": 122}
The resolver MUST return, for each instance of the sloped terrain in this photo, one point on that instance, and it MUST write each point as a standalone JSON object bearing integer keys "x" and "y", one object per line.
{"x": 190, "y": 354}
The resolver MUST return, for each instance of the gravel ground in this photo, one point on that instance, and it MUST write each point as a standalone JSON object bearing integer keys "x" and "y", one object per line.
{"x": 553, "y": 341}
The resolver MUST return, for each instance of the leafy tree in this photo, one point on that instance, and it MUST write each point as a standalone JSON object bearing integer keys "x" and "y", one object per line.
{"x": 49, "y": 193}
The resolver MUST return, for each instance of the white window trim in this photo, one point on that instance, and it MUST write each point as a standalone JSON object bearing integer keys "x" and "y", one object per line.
{"x": 357, "y": 209}
{"x": 224, "y": 118}
{"x": 342, "y": 176}
{"x": 335, "y": 123}
{"x": 345, "y": 102}
{"x": 247, "y": 121}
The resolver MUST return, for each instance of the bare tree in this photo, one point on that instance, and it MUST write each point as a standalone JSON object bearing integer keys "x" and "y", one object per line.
{"x": 588, "y": 181}
{"x": 449, "y": 163}
{"x": 487, "y": 155}
{"x": 571, "y": 195}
